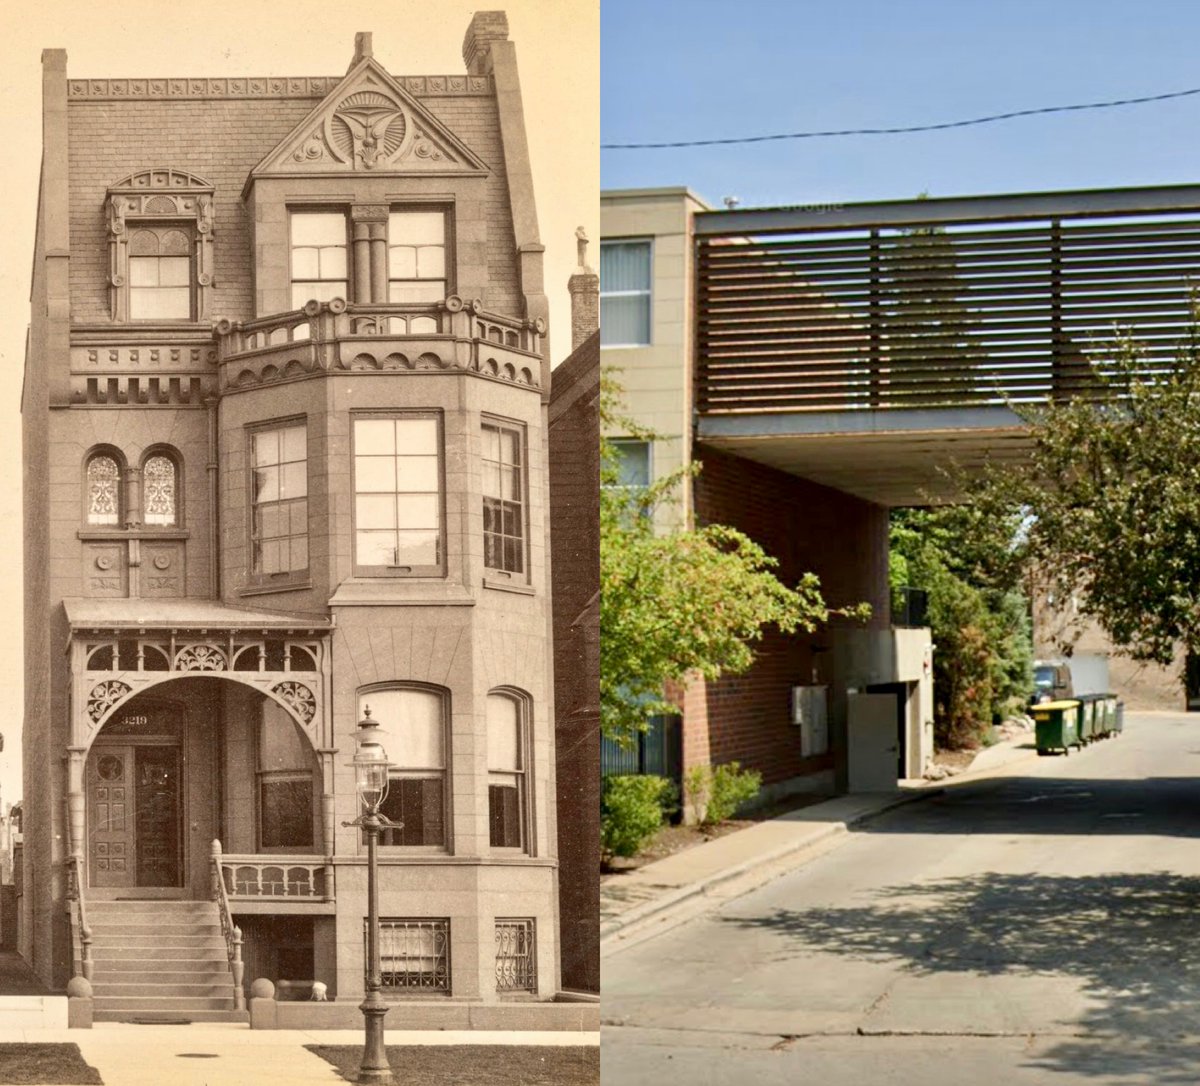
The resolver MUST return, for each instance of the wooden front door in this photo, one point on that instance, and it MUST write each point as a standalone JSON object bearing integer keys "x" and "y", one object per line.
{"x": 111, "y": 817}
{"x": 134, "y": 815}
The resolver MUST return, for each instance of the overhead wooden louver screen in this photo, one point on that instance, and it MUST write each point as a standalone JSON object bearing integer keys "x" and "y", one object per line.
{"x": 957, "y": 314}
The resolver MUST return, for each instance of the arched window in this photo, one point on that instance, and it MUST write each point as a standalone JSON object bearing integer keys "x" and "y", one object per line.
{"x": 160, "y": 491}
{"x": 413, "y": 720}
{"x": 507, "y": 747}
{"x": 103, "y": 490}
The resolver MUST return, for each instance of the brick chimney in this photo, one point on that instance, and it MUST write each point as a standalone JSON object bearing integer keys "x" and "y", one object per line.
{"x": 486, "y": 27}
{"x": 584, "y": 286}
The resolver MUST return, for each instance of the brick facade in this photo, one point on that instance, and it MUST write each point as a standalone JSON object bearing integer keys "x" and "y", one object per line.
{"x": 745, "y": 718}
{"x": 184, "y": 627}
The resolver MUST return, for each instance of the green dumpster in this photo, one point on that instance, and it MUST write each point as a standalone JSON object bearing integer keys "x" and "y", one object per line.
{"x": 1106, "y": 715}
{"x": 1056, "y": 725}
{"x": 1091, "y": 717}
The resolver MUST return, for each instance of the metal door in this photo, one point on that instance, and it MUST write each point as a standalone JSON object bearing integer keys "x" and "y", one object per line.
{"x": 874, "y": 744}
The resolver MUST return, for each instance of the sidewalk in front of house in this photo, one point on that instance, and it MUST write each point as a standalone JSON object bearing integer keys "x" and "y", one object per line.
{"x": 649, "y": 895}
{"x": 232, "y": 1054}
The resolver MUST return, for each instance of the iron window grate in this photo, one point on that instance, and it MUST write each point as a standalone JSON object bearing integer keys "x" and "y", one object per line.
{"x": 516, "y": 956}
{"x": 414, "y": 955}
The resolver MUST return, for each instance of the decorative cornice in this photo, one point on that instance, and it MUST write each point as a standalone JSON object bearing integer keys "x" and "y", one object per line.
{"x": 262, "y": 87}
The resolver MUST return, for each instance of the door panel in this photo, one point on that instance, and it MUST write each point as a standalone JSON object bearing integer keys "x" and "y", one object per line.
{"x": 157, "y": 817}
{"x": 873, "y": 742}
{"x": 110, "y": 817}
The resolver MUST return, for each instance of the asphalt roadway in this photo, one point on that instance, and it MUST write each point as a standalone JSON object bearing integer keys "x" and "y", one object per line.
{"x": 1036, "y": 927}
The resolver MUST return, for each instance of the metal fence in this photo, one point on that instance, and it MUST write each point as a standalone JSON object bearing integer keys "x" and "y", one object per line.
{"x": 657, "y": 750}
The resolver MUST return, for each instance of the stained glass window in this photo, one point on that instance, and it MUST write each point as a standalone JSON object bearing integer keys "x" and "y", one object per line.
{"x": 158, "y": 491}
{"x": 103, "y": 486}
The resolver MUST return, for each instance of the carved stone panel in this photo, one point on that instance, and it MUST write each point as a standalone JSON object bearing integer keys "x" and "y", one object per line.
{"x": 161, "y": 571}
{"x": 105, "y": 572}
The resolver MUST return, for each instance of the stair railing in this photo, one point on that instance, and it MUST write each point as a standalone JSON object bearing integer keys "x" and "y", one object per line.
{"x": 232, "y": 933}
{"x": 85, "y": 931}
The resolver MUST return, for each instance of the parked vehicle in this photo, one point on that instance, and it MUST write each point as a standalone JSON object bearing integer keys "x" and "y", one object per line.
{"x": 1051, "y": 681}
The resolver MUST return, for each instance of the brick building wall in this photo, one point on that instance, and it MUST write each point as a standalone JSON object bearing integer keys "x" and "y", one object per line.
{"x": 575, "y": 529}
{"x": 808, "y": 528}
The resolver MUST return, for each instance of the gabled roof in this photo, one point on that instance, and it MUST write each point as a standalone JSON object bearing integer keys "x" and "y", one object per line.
{"x": 369, "y": 124}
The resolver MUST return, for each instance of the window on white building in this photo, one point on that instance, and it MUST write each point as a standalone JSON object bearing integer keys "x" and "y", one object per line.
{"x": 624, "y": 293}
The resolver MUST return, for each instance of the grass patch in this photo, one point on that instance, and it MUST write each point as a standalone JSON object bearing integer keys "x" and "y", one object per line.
{"x": 46, "y": 1065}
{"x": 477, "y": 1065}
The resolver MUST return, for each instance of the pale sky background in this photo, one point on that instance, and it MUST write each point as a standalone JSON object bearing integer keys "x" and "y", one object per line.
{"x": 557, "y": 44}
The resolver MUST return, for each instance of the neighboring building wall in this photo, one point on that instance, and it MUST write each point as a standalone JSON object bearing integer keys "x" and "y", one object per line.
{"x": 657, "y": 378}
{"x": 1138, "y": 685}
{"x": 575, "y": 528}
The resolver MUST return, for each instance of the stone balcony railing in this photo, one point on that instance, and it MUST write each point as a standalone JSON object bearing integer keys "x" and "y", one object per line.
{"x": 336, "y": 336}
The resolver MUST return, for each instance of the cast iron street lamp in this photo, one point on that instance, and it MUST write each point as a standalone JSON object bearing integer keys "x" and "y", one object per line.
{"x": 371, "y": 783}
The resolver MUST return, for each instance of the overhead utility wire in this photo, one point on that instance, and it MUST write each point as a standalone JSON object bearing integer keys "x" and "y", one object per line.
{"x": 904, "y": 129}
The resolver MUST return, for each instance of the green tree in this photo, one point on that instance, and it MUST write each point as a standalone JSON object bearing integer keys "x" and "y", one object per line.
{"x": 969, "y": 564}
{"x": 1111, "y": 499}
{"x": 692, "y": 600}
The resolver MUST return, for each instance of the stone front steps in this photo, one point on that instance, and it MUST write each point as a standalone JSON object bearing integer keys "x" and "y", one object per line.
{"x": 160, "y": 961}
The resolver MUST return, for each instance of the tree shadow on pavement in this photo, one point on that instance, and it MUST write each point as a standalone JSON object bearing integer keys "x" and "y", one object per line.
{"x": 1131, "y": 941}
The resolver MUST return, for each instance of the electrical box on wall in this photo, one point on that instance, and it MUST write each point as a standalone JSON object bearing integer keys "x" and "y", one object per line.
{"x": 810, "y": 714}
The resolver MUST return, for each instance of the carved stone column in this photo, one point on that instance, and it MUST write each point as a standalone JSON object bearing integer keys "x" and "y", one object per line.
{"x": 76, "y": 760}
{"x": 362, "y": 262}
{"x": 133, "y": 497}
{"x": 379, "y": 262}
{"x": 370, "y": 252}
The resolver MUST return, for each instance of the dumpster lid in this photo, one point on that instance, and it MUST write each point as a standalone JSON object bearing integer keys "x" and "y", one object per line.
{"x": 1064, "y": 703}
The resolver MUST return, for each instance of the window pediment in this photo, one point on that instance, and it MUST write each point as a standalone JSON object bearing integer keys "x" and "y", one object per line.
{"x": 179, "y": 206}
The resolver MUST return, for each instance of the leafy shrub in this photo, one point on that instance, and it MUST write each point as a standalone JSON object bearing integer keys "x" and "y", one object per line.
{"x": 631, "y": 811}
{"x": 715, "y": 792}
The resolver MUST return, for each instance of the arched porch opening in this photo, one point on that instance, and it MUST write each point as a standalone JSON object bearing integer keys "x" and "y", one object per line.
{"x": 194, "y": 760}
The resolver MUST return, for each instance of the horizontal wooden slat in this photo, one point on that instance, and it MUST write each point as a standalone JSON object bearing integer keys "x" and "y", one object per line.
{"x": 885, "y": 317}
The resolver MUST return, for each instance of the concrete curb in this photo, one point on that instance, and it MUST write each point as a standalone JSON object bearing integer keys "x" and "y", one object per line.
{"x": 659, "y": 907}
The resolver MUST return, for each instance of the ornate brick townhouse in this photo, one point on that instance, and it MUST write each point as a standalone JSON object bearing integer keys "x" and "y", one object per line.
{"x": 284, "y": 430}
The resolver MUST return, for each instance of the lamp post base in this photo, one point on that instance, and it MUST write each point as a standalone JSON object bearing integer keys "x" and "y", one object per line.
{"x": 374, "y": 1066}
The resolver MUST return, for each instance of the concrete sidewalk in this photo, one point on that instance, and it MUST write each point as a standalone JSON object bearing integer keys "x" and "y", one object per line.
{"x": 231, "y": 1054}
{"x": 661, "y": 894}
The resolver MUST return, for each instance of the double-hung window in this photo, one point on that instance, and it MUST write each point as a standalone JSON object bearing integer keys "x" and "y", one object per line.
{"x": 506, "y": 771}
{"x": 413, "y": 720}
{"x": 624, "y": 293}
{"x": 279, "y": 500}
{"x": 320, "y": 268}
{"x": 503, "y": 498}
{"x": 160, "y": 274}
{"x": 416, "y": 256}
{"x": 398, "y": 494}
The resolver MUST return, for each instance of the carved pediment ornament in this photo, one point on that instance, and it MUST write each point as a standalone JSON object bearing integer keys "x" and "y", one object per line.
{"x": 367, "y": 129}
{"x": 370, "y": 123}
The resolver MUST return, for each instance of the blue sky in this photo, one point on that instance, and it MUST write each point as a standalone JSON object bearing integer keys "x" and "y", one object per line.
{"x": 694, "y": 69}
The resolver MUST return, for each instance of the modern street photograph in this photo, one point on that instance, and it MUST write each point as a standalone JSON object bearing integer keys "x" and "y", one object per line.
{"x": 899, "y": 544}
{"x": 300, "y": 776}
